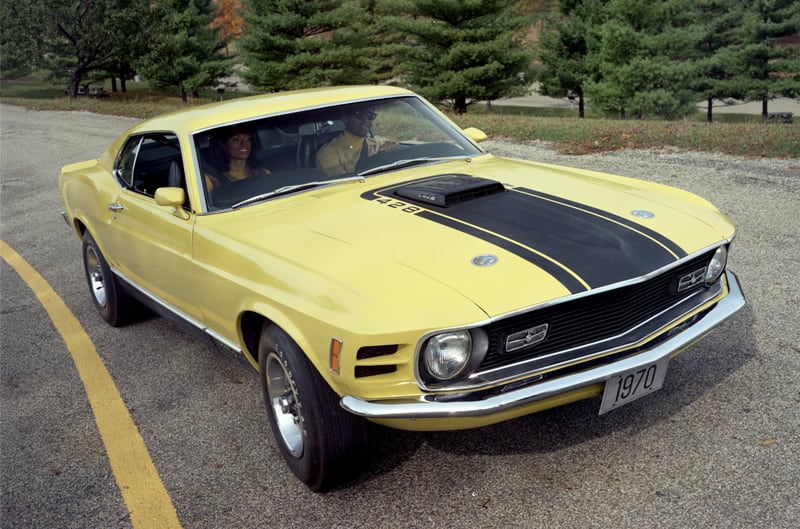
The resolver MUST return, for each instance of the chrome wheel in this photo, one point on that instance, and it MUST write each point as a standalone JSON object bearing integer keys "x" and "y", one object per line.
{"x": 112, "y": 302}
{"x": 94, "y": 273}
{"x": 321, "y": 443}
{"x": 283, "y": 400}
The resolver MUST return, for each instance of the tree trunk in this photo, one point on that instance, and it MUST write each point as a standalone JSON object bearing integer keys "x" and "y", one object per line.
{"x": 113, "y": 84}
{"x": 709, "y": 115}
{"x": 460, "y": 105}
{"x": 75, "y": 82}
{"x": 581, "y": 106}
{"x": 764, "y": 111}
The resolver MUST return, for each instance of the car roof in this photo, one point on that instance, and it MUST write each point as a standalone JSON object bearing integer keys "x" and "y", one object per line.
{"x": 211, "y": 115}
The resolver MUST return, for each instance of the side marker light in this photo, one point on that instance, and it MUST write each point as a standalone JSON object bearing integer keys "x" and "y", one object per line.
{"x": 334, "y": 352}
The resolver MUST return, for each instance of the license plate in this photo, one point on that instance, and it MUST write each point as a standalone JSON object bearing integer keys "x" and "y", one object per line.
{"x": 630, "y": 385}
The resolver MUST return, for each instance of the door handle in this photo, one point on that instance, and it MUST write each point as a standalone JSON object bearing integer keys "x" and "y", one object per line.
{"x": 115, "y": 206}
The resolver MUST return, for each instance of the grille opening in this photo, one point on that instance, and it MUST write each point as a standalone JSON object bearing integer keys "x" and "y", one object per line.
{"x": 374, "y": 351}
{"x": 371, "y": 371}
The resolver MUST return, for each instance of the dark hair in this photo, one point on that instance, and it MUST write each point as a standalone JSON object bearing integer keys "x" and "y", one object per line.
{"x": 217, "y": 153}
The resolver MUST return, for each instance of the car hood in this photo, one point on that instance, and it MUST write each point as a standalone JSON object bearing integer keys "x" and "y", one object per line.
{"x": 545, "y": 233}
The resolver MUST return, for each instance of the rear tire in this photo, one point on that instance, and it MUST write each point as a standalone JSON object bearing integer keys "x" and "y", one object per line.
{"x": 321, "y": 442}
{"x": 112, "y": 302}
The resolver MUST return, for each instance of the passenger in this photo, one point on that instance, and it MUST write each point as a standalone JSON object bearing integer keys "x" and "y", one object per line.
{"x": 343, "y": 154}
{"x": 231, "y": 157}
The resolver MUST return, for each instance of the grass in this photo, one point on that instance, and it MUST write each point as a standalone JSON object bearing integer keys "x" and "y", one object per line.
{"x": 581, "y": 136}
{"x": 729, "y": 134}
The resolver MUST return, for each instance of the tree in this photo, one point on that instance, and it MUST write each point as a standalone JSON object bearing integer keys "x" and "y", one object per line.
{"x": 640, "y": 62}
{"x": 228, "y": 19}
{"x": 565, "y": 49}
{"x": 711, "y": 28}
{"x": 72, "y": 38}
{"x": 659, "y": 58}
{"x": 290, "y": 44}
{"x": 764, "y": 69}
{"x": 21, "y": 47}
{"x": 461, "y": 51}
{"x": 184, "y": 52}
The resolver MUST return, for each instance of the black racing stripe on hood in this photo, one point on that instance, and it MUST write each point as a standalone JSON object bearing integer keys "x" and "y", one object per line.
{"x": 560, "y": 273}
{"x": 668, "y": 243}
{"x": 598, "y": 250}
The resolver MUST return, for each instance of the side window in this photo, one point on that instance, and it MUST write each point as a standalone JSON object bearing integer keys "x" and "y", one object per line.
{"x": 144, "y": 162}
{"x": 126, "y": 161}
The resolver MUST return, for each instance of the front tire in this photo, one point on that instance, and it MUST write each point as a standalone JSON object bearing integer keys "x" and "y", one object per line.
{"x": 321, "y": 442}
{"x": 112, "y": 302}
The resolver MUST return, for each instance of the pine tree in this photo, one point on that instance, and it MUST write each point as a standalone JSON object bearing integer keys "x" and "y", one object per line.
{"x": 292, "y": 44}
{"x": 707, "y": 28}
{"x": 184, "y": 52}
{"x": 461, "y": 51}
{"x": 639, "y": 62}
{"x": 565, "y": 48}
{"x": 764, "y": 69}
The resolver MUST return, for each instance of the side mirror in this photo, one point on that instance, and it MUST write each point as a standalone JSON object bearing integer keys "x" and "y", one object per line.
{"x": 476, "y": 135}
{"x": 174, "y": 197}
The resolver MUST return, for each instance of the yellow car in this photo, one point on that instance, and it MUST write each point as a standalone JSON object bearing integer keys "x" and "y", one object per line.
{"x": 374, "y": 263}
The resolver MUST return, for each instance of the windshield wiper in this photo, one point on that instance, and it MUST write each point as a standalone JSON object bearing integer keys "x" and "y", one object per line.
{"x": 296, "y": 187}
{"x": 410, "y": 161}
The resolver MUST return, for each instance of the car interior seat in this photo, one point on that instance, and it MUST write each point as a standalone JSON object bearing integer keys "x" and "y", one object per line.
{"x": 312, "y": 136}
{"x": 176, "y": 178}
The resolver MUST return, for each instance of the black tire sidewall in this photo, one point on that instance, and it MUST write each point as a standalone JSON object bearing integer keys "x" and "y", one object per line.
{"x": 333, "y": 439}
{"x": 110, "y": 310}
{"x": 308, "y": 466}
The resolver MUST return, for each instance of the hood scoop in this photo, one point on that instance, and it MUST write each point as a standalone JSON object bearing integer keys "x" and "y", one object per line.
{"x": 449, "y": 189}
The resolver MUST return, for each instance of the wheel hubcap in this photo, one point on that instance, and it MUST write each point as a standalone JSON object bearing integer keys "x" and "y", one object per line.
{"x": 95, "y": 273}
{"x": 283, "y": 400}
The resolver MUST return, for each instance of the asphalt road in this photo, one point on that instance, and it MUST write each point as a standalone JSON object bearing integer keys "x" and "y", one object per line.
{"x": 716, "y": 447}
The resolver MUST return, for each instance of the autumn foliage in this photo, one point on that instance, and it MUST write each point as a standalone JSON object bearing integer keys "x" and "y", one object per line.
{"x": 228, "y": 19}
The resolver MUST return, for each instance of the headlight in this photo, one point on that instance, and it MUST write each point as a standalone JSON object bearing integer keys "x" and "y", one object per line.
{"x": 717, "y": 265}
{"x": 447, "y": 354}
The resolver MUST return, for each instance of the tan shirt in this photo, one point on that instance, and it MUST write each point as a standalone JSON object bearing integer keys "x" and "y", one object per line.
{"x": 340, "y": 155}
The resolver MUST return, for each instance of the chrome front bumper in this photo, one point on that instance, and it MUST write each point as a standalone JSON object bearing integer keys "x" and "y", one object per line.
{"x": 426, "y": 408}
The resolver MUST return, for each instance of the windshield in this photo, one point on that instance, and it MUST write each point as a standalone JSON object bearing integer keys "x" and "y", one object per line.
{"x": 322, "y": 146}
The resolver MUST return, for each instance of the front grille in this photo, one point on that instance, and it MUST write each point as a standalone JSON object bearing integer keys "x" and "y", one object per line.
{"x": 592, "y": 318}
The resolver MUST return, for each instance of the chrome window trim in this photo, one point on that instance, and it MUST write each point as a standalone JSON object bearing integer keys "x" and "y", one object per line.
{"x": 270, "y": 115}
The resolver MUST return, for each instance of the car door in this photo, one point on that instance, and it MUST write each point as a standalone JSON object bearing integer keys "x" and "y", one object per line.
{"x": 150, "y": 245}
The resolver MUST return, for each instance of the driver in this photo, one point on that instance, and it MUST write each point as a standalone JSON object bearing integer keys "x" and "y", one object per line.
{"x": 343, "y": 154}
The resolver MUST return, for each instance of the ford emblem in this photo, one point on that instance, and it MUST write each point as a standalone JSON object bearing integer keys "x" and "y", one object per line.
{"x": 484, "y": 260}
{"x": 643, "y": 214}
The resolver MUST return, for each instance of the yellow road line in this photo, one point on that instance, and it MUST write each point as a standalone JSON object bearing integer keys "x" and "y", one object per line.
{"x": 145, "y": 496}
